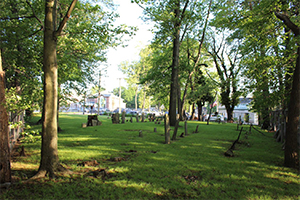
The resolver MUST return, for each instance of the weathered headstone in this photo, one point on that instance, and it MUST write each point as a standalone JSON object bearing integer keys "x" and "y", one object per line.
{"x": 115, "y": 118}
{"x": 137, "y": 117}
{"x": 140, "y": 133}
{"x": 155, "y": 130}
{"x": 92, "y": 120}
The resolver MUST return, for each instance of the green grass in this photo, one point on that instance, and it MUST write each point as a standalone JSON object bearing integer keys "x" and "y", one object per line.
{"x": 193, "y": 167}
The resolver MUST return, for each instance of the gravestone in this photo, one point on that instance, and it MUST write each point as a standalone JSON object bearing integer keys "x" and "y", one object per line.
{"x": 115, "y": 118}
{"x": 93, "y": 120}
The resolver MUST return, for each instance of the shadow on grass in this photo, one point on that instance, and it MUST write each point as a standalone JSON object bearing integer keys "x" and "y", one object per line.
{"x": 192, "y": 167}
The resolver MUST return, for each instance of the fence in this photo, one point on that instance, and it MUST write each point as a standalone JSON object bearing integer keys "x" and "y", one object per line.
{"x": 14, "y": 131}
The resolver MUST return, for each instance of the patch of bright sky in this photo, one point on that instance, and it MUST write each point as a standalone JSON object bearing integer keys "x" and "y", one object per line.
{"x": 130, "y": 14}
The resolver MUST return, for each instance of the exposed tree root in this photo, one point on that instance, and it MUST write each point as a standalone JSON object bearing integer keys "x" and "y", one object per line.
{"x": 42, "y": 173}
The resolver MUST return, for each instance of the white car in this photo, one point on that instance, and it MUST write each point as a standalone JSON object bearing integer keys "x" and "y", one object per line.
{"x": 215, "y": 118}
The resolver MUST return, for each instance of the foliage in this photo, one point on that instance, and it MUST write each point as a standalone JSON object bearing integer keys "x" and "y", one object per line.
{"x": 267, "y": 52}
{"x": 128, "y": 94}
{"x": 256, "y": 172}
{"x": 83, "y": 44}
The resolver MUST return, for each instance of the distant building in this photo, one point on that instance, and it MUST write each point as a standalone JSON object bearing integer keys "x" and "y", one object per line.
{"x": 108, "y": 101}
{"x": 112, "y": 101}
{"x": 242, "y": 111}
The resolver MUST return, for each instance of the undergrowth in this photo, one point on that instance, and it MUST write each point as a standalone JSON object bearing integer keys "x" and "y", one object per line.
{"x": 111, "y": 161}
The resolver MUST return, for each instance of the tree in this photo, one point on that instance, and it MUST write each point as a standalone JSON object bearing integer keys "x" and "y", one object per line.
{"x": 170, "y": 17}
{"x": 128, "y": 94}
{"x": 133, "y": 72}
{"x": 49, "y": 153}
{"x": 291, "y": 154}
{"x": 5, "y": 171}
{"x": 202, "y": 91}
{"x": 272, "y": 52}
{"x": 228, "y": 75}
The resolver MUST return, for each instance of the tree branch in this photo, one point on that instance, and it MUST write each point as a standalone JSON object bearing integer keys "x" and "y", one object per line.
{"x": 286, "y": 20}
{"x": 19, "y": 17}
{"x": 65, "y": 19}
{"x": 184, "y": 9}
{"x": 34, "y": 15}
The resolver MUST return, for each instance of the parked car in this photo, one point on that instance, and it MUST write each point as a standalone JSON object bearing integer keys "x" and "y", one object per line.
{"x": 214, "y": 118}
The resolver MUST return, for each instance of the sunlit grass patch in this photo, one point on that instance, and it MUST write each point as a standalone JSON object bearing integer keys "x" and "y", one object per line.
{"x": 192, "y": 167}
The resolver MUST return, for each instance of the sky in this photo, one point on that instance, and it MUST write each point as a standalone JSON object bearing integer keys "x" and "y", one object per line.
{"x": 130, "y": 15}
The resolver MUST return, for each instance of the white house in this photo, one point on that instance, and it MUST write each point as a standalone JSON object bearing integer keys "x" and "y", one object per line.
{"x": 108, "y": 101}
{"x": 242, "y": 110}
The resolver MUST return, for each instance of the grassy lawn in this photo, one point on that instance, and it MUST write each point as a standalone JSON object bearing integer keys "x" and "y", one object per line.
{"x": 193, "y": 167}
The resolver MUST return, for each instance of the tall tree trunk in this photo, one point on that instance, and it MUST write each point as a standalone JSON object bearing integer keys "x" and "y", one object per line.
{"x": 180, "y": 104}
{"x": 144, "y": 101}
{"x": 196, "y": 62}
{"x": 200, "y": 105}
{"x": 175, "y": 65}
{"x": 135, "y": 98}
{"x": 291, "y": 154}
{"x": 229, "y": 111}
{"x": 5, "y": 170}
{"x": 193, "y": 112}
{"x": 49, "y": 154}
{"x": 265, "y": 112}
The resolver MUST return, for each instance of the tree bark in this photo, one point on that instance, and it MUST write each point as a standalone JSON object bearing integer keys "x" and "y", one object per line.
{"x": 193, "y": 112}
{"x": 5, "y": 170}
{"x": 229, "y": 111}
{"x": 167, "y": 129}
{"x": 291, "y": 154}
{"x": 175, "y": 65}
{"x": 200, "y": 105}
{"x": 135, "y": 98}
{"x": 49, "y": 154}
